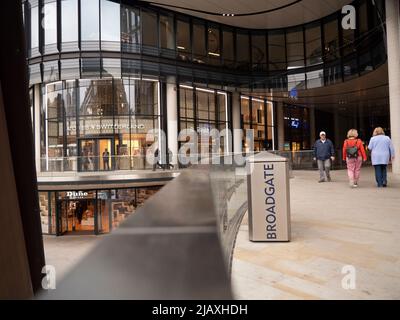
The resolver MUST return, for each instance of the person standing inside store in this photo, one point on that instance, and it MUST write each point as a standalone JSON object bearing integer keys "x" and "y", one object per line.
{"x": 382, "y": 151}
{"x": 324, "y": 153}
{"x": 354, "y": 155}
{"x": 106, "y": 159}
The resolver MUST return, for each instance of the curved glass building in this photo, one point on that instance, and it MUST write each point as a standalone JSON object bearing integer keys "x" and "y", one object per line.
{"x": 103, "y": 73}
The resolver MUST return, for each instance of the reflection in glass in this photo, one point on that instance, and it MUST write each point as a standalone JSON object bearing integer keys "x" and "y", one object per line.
{"x": 90, "y": 20}
{"x": 214, "y": 52}
{"x": 242, "y": 50}
{"x": 331, "y": 37}
{"x": 258, "y": 51}
{"x": 313, "y": 45}
{"x": 183, "y": 40}
{"x": 202, "y": 104}
{"x": 110, "y": 23}
{"x": 348, "y": 41}
{"x": 34, "y": 27}
{"x": 167, "y": 40}
{"x": 69, "y": 27}
{"x": 199, "y": 46}
{"x": 50, "y": 23}
{"x": 130, "y": 29}
{"x": 296, "y": 81}
{"x": 149, "y": 30}
{"x": 228, "y": 48}
{"x": 276, "y": 51}
{"x": 295, "y": 49}
{"x": 186, "y": 103}
{"x": 315, "y": 79}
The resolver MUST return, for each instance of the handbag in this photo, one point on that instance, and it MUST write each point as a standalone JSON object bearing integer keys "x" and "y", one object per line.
{"x": 352, "y": 152}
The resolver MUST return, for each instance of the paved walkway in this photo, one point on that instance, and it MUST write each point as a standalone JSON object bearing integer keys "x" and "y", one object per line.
{"x": 64, "y": 252}
{"x": 332, "y": 226}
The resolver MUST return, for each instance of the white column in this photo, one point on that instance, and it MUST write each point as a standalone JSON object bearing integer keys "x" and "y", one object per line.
{"x": 312, "y": 126}
{"x": 36, "y": 125}
{"x": 280, "y": 122}
{"x": 393, "y": 51}
{"x": 172, "y": 118}
{"x": 237, "y": 139}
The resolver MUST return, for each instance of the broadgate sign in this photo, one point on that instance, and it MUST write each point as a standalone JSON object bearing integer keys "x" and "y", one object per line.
{"x": 268, "y": 197}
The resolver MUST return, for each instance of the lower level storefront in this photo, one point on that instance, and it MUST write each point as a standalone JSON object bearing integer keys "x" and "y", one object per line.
{"x": 89, "y": 211}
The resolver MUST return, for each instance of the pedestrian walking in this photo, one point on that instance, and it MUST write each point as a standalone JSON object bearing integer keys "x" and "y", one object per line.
{"x": 354, "y": 155}
{"x": 324, "y": 153}
{"x": 382, "y": 151}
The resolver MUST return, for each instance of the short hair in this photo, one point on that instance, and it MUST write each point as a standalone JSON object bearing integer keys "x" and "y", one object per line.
{"x": 352, "y": 133}
{"x": 378, "y": 131}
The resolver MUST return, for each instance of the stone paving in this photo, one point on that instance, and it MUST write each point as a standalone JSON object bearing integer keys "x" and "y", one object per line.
{"x": 333, "y": 226}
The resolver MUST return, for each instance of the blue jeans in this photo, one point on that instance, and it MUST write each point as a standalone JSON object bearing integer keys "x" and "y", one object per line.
{"x": 381, "y": 174}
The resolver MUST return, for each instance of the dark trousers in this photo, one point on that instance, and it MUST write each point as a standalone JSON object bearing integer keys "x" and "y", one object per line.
{"x": 106, "y": 164}
{"x": 381, "y": 174}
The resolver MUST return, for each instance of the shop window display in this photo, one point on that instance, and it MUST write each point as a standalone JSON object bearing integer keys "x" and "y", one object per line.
{"x": 93, "y": 211}
{"x": 85, "y": 121}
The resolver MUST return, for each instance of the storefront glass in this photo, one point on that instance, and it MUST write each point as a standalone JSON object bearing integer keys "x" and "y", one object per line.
{"x": 257, "y": 115}
{"x": 96, "y": 125}
{"x": 203, "y": 110}
{"x": 89, "y": 211}
{"x": 297, "y": 127}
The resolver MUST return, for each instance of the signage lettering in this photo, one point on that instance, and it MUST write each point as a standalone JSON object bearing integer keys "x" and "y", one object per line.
{"x": 76, "y": 195}
{"x": 269, "y": 191}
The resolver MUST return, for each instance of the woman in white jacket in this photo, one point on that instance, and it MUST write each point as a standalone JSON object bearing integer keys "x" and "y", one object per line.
{"x": 382, "y": 151}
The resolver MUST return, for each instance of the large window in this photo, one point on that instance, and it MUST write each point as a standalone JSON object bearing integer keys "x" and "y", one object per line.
{"x": 331, "y": 37}
{"x": 257, "y": 115}
{"x": 276, "y": 50}
{"x": 214, "y": 50}
{"x": 199, "y": 46}
{"x": 130, "y": 29}
{"x": 81, "y": 118}
{"x": 183, "y": 44}
{"x": 228, "y": 48}
{"x": 34, "y": 30}
{"x": 149, "y": 28}
{"x": 69, "y": 27}
{"x": 167, "y": 34}
{"x": 259, "y": 51}
{"x": 90, "y": 24}
{"x": 203, "y": 110}
{"x": 110, "y": 25}
{"x": 242, "y": 50}
{"x": 295, "y": 49}
{"x": 50, "y": 27}
{"x": 297, "y": 127}
{"x": 313, "y": 45}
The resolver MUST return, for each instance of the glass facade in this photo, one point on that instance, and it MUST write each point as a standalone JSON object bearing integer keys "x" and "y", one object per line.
{"x": 203, "y": 110}
{"x": 89, "y": 211}
{"x": 286, "y": 58}
{"x": 258, "y": 115}
{"x": 96, "y": 125}
{"x": 69, "y": 27}
{"x": 296, "y": 127}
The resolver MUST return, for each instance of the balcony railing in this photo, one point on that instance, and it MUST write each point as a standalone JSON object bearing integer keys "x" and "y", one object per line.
{"x": 177, "y": 246}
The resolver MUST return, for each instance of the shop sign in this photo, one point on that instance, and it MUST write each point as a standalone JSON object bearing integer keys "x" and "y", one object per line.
{"x": 77, "y": 194}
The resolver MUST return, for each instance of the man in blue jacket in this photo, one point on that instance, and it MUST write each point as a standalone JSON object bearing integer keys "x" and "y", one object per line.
{"x": 324, "y": 153}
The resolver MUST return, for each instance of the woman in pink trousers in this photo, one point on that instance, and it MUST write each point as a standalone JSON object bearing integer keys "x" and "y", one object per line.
{"x": 354, "y": 155}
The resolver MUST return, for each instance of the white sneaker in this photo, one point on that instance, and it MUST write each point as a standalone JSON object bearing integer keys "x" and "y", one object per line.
{"x": 355, "y": 185}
